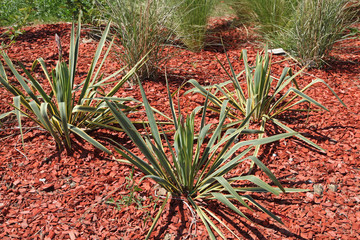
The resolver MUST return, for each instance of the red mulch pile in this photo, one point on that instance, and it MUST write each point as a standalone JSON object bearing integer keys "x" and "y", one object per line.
{"x": 46, "y": 194}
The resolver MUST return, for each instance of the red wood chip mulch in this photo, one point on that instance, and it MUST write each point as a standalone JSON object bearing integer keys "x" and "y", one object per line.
{"x": 45, "y": 194}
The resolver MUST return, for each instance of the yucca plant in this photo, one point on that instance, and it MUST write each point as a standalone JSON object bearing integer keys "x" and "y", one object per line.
{"x": 261, "y": 101}
{"x": 67, "y": 107}
{"x": 194, "y": 167}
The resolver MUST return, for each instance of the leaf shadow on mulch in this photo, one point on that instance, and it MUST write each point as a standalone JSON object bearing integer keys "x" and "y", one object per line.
{"x": 220, "y": 38}
{"x": 247, "y": 230}
{"x": 33, "y": 34}
{"x": 342, "y": 66}
{"x": 174, "y": 204}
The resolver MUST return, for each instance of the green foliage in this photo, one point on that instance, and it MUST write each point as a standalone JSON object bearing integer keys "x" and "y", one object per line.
{"x": 20, "y": 12}
{"x": 139, "y": 26}
{"x": 191, "y": 17}
{"x": 14, "y": 22}
{"x": 307, "y": 29}
{"x": 14, "y": 13}
{"x": 195, "y": 167}
{"x": 242, "y": 10}
{"x": 68, "y": 107}
{"x": 258, "y": 101}
{"x": 268, "y": 14}
{"x": 315, "y": 26}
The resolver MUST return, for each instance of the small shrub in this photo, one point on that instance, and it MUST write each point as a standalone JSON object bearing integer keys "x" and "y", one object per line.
{"x": 194, "y": 167}
{"x": 258, "y": 101}
{"x": 68, "y": 107}
{"x": 13, "y": 12}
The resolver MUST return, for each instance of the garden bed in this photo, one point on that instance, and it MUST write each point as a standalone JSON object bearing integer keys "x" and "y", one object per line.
{"x": 46, "y": 194}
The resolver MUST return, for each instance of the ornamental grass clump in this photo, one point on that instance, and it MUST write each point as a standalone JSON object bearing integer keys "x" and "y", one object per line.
{"x": 67, "y": 108}
{"x": 314, "y": 28}
{"x": 260, "y": 100}
{"x": 242, "y": 10}
{"x": 196, "y": 167}
{"x": 139, "y": 26}
{"x": 269, "y": 15}
{"x": 192, "y": 17}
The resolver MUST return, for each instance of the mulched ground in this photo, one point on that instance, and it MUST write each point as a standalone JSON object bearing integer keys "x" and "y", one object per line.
{"x": 46, "y": 194}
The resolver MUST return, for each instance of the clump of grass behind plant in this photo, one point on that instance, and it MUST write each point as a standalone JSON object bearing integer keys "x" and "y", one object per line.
{"x": 139, "y": 26}
{"x": 242, "y": 10}
{"x": 192, "y": 17}
{"x": 268, "y": 14}
{"x": 314, "y": 29}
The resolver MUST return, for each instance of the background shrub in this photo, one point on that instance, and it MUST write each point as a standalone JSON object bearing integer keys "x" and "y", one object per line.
{"x": 13, "y": 11}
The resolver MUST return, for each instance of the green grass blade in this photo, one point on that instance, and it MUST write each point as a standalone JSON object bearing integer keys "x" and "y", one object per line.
{"x": 35, "y": 109}
{"x": 205, "y": 92}
{"x": 151, "y": 117}
{"x": 12, "y": 89}
{"x": 327, "y": 85}
{"x": 171, "y": 103}
{"x": 222, "y": 223}
{"x": 74, "y": 51}
{"x": 303, "y": 95}
{"x": 258, "y": 182}
{"x": 36, "y": 84}
{"x": 127, "y": 76}
{"x": 261, "y": 190}
{"x": 205, "y": 220}
{"x": 94, "y": 62}
{"x": 138, "y": 162}
{"x": 231, "y": 190}
{"x": 47, "y": 123}
{"x": 20, "y": 78}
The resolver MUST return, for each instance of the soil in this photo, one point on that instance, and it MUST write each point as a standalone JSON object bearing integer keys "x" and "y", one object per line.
{"x": 48, "y": 194}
